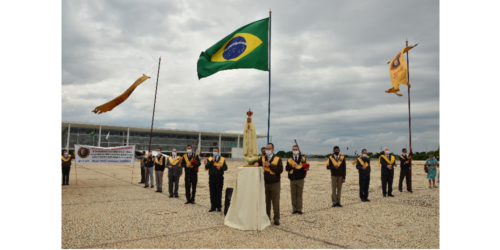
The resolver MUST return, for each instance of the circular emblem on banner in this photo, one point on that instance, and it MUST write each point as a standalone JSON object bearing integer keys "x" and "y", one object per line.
{"x": 83, "y": 152}
{"x": 235, "y": 48}
{"x": 395, "y": 62}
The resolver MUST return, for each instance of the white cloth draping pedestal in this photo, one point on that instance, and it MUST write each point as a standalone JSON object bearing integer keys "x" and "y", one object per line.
{"x": 248, "y": 203}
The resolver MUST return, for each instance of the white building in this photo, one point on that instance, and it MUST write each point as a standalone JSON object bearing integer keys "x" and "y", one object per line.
{"x": 230, "y": 144}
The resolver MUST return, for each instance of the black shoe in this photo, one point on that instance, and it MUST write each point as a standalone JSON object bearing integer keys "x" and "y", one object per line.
{"x": 277, "y": 223}
{"x": 334, "y": 205}
{"x": 187, "y": 202}
{"x": 157, "y": 191}
{"x": 211, "y": 210}
{"x": 384, "y": 195}
{"x": 299, "y": 212}
{"x": 390, "y": 195}
{"x": 63, "y": 184}
{"x": 338, "y": 204}
{"x": 367, "y": 200}
{"x": 146, "y": 186}
{"x": 170, "y": 196}
{"x": 401, "y": 191}
{"x": 192, "y": 202}
{"x": 363, "y": 200}
{"x": 176, "y": 196}
{"x": 152, "y": 186}
{"x": 218, "y": 209}
{"x": 294, "y": 212}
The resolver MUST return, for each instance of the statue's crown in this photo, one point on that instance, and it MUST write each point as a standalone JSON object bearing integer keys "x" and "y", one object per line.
{"x": 249, "y": 113}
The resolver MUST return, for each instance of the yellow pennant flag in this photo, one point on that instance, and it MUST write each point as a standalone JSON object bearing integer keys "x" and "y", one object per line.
{"x": 398, "y": 70}
{"x": 121, "y": 98}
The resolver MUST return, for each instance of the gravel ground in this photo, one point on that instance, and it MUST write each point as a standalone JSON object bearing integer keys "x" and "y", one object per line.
{"x": 106, "y": 210}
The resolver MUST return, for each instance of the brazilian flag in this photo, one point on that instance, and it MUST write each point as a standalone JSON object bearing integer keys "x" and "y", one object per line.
{"x": 91, "y": 133}
{"x": 245, "y": 48}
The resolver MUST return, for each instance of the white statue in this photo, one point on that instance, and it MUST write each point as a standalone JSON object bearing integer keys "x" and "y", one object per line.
{"x": 250, "y": 152}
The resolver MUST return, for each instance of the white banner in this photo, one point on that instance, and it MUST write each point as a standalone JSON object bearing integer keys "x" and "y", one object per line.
{"x": 91, "y": 155}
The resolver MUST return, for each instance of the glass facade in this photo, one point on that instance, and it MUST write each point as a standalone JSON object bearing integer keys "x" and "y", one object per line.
{"x": 166, "y": 141}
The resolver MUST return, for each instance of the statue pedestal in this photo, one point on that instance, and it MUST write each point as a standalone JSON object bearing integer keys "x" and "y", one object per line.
{"x": 248, "y": 203}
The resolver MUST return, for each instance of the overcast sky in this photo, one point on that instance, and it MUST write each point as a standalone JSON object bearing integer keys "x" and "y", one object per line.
{"x": 329, "y": 69}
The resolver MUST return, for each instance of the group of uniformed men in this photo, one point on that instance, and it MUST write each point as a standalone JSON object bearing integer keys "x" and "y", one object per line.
{"x": 272, "y": 166}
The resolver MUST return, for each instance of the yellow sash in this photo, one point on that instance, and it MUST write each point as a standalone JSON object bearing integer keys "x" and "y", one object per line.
{"x": 405, "y": 162}
{"x": 220, "y": 163}
{"x": 161, "y": 160}
{"x": 186, "y": 158}
{"x": 175, "y": 161}
{"x": 291, "y": 162}
{"x": 64, "y": 159}
{"x": 335, "y": 162}
{"x": 364, "y": 164}
{"x": 385, "y": 158}
{"x": 274, "y": 163}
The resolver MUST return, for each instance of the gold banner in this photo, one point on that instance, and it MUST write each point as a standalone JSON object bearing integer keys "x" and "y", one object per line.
{"x": 398, "y": 70}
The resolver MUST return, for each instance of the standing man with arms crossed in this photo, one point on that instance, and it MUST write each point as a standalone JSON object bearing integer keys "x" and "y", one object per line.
{"x": 296, "y": 174}
{"x": 159, "y": 169}
{"x": 363, "y": 166}
{"x": 143, "y": 166}
{"x": 174, "y": 173}
{"x": 66, "y": 167}
{"x": 404, "y": 160}
{"x": 272, "y": 167}
{"x": 336, "y": 165}
{"x": 216, "y": 166}
{"x": 191, "y": 177}
{"x": 387, "y": 171}
{"x": 150, "y": 160}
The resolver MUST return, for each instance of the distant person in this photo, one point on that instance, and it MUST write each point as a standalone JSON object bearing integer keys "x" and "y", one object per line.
{"x": 150, "y": 160}
{"x": 405, "y": 170}
{"x": 216, "y": 166}
{"x": 296, "y": 174}
{"x": 336, "y": 165}
{"x": 174, "y": 173}
{"x": 439, "y": 173}
{"x": 66, "y": 167}
{"x": 142, "y": 157}
{"x": 263, "y": 151}
{"x": 191, "y": 177}
{"x": 432, "y": 165}
{"x": 387, "y": 171}
{"x": 273, "y": 167}
{"x": 364, "y": 170}
{"x": 159, "y": 169}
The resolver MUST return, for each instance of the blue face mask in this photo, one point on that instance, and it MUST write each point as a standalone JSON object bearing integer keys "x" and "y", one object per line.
{"x": 215, "y": 153}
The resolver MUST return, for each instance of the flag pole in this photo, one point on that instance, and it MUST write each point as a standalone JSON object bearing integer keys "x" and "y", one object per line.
{"x": 269, "y": 69}
{"x": 409, "y": 114}
{"x": 153, "y": 119}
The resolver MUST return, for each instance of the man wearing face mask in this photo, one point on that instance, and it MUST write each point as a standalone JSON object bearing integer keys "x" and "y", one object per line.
{"x": 191, "y": 163}
{"x": 404, "y": 160}
{"x": 159, "y": 169}
{"x": 174, "y": 173}
{"x": 296, "y": 174}
{"x": 150, "y": 160}
{"x": 272, "y": 167}
{"x": 336, "y": 165}
{"x": 387, "y": 171}
{"x": 216, "y": 166}
{"x": 143, "y": 166}
{"x": 66, "y": 167}
{"x": 363, "y": 166}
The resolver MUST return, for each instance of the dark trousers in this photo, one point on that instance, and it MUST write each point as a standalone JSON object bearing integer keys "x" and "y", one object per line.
{"x": 273, "y": 197}
{"x": 405, "y": 173}
{"x": 143, "y": 175}
{"x": 190, "y": 181}
{"x": 387, "y": 181}
{"x": 364, "y": 184}
{"x": 173, "y": 181}
{"x": 65, "y": 173}
{"x": 216, "y": 182}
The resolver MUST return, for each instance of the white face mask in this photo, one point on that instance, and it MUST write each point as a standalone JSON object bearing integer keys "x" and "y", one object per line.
{"x": 387, "y": 152}
{"x": 364, "y": 155}
{"x": 268, "y": 152}
{"x": 174, "y": 153}
{"x": 404, "y": 154}
{"x": 159, "y": 153}
{"x": 189, "y": 151}
{"x": 295, "y": 152}
{"x": 65, "y": 154}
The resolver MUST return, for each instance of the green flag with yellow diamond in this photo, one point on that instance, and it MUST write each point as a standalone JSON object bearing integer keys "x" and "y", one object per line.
{"x": 245, "y": 48}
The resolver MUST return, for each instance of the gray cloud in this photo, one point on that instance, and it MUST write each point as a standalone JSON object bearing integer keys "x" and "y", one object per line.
{"x": 329, "y": 70}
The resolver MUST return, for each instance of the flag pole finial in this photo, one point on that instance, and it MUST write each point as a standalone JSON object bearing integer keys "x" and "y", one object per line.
{"x": 160, "y": 56}
{"x": 406, "y": 42}
{"x": 270, "y": 11}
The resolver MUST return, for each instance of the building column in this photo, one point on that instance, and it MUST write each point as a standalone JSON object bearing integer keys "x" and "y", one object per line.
{"x": 220, "y": 146}
{"x": 67, "y": 143}
{"x": 99, "y": 141}
{"x": 128, "y": 133}
{"x": 238, "y": 145}
{"x": 199, "y": 142}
